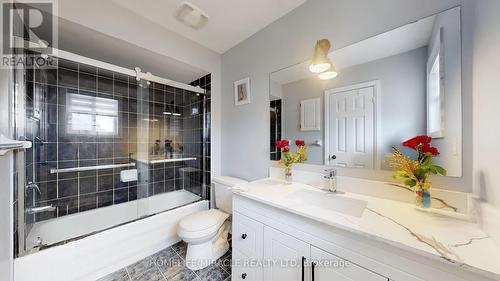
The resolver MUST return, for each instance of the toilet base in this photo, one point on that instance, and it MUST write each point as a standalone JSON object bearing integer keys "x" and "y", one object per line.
{"x": 199, "y": 256}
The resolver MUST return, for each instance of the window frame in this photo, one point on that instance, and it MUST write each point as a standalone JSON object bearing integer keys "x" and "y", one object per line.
{"x": 93, "y": 113}
{"x": 436, "y": 53}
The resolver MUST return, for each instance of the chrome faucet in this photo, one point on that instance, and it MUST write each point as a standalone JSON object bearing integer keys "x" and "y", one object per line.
{"x": 41, "y": 209}
{"x": 332, "y": 179}
{"x": 33, "y": 186}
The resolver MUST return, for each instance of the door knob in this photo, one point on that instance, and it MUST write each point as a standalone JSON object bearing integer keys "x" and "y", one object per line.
{"x": 244, "y": 236}
{"x": 334, "y": 157}
{"x": 243, "y": 276}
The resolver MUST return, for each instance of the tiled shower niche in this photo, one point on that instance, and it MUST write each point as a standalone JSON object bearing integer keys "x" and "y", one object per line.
{"x": 122, "y": 107}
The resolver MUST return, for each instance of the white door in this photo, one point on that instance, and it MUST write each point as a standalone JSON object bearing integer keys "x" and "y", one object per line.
{"x": 351, "y": 135}
{"x": 330, "y": 267}
{"x": 285, "y": 254}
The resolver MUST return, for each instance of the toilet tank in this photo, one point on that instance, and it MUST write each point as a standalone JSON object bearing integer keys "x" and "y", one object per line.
{"x": 223, "y": 193}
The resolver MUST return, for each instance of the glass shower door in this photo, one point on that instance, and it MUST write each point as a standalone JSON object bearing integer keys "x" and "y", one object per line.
{"x": 169, "y": 147}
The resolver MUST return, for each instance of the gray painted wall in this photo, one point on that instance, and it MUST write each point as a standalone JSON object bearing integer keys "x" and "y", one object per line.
{"x": 245, "y": 133}
{"x": 403, "y": 83}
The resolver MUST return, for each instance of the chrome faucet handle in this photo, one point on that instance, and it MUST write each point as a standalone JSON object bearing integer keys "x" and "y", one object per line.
{"x": 34, "y": 186}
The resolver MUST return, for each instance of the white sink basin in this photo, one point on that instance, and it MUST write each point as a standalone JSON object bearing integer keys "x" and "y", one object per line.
{"x": 330, "y": 201}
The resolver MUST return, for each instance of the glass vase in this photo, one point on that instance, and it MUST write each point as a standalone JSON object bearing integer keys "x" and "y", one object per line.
{"x": 423, "y": 198}
{"x": 288, "y": 174}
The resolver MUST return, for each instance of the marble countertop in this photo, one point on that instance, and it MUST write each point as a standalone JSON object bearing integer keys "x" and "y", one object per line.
{"x": 449, "y": 240}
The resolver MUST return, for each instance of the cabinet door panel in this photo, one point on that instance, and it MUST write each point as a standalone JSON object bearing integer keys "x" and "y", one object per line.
{"x": 245, "y": 268}
{"x": 330, "y": 267}
{"x": 247, "y": 235}
{"x": 284, "y": 254}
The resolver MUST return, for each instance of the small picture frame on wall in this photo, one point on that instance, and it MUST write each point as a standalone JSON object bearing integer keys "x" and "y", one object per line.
{"x": 242, "y": 91}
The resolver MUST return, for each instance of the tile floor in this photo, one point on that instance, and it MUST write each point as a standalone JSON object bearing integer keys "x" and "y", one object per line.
{"x": 168, "y": 264}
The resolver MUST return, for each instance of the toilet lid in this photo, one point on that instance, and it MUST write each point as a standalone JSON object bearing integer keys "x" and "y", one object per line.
{"x": 203, "y": 220}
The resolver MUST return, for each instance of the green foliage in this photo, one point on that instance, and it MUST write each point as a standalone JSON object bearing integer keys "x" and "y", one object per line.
{"x": 415, "y": 172}
{"x": 410, "y": 182}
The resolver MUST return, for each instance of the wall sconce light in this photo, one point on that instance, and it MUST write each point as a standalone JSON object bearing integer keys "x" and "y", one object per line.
{"x": 321, "y": 64}
{"x": 328, "y": 74}
{"x": 320, "y": 61}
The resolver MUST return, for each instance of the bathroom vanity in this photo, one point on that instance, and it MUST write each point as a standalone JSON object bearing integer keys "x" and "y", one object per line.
{"x": 298, "y": 232}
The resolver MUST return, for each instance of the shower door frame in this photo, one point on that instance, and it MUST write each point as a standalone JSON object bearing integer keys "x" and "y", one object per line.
{"x": 19, "y": 128}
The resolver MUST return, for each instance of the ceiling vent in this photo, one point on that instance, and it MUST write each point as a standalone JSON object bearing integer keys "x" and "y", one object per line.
{"x": 191, "y": 15}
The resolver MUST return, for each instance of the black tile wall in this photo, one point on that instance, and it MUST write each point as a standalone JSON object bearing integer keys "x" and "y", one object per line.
{"x": 275, "y": 128}
{"x": 201, "y": 136}
{"x": 56, "y": 147}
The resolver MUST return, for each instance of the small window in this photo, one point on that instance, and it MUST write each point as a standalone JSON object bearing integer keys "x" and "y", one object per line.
{"x": 435, "y": 87}
{"x": 434, "y": 99}
{"x": 91, "y": 115}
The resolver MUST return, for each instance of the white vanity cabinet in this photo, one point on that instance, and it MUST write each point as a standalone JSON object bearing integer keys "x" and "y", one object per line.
{"x": 287, "y": 256}
{"x": 329, "y": 267}
{"x": 273, "y": 243}
{"x": 261, "y": 252}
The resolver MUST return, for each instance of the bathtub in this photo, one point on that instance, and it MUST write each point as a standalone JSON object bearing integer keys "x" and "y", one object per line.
{"x": 97, "y": 255}
{"x": 64, "y": 228}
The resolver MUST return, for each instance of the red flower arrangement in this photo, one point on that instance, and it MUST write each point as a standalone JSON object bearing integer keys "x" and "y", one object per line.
{"x": 289, "y": 158}
{"x": 415, "y": 172}
{"x": 422, "y": 144}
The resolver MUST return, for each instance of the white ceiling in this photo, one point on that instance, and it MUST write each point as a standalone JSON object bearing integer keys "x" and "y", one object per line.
{"x": 102, "y": 47}
{"x": 396, "y": 41}
{"x": 230, "y": 21}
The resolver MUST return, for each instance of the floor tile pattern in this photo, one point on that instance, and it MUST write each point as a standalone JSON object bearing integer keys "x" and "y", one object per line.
{"x": 169, "y": 264}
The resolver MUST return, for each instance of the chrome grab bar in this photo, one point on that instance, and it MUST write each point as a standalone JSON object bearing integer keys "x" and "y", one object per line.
{"x": 42, "y": 209}
{"x": 90, "y": 168}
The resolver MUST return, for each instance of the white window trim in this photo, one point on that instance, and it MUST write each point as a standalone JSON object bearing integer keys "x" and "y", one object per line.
{"x": 435, "y": 50}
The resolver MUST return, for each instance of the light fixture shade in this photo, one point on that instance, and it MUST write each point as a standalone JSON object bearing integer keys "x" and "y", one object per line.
{"x": 328, "y": 74}
{"x": 320, "y": 61}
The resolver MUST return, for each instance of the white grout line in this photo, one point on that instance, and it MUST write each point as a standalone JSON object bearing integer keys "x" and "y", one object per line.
{"x": 128, "y": 274}
{"x": 161, "y": 272}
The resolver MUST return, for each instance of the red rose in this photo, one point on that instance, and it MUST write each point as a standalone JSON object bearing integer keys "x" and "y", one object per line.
{"x": 286, "y": 149}
{"x": 300, "y": 143}
{"x": 282, "y": 143}
{"x": 414, "y": 142}
{"x": 431, "y": 149}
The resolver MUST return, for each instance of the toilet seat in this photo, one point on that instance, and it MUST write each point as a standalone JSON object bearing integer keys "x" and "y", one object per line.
{"x": 201, "y": 224}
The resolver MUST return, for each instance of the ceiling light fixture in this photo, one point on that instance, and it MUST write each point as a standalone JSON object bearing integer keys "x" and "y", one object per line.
{"x": 191, "y": 15}
{"x": 320, "y": 61}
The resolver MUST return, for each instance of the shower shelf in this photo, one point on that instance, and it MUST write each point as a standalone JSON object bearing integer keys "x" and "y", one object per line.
{"x": 90, "y": 168}
{"x": 7, "y": 144}
{"x": 164, "y": 160}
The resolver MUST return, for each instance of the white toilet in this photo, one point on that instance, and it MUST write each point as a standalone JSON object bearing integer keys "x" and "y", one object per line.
{"x": 206, "y": 231}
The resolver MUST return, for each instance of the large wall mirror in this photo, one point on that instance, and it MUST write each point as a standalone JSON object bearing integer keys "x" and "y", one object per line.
{"x": 390, "y": 87}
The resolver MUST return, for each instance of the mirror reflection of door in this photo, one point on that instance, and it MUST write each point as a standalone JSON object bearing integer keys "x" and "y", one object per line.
{"x": 350, "y": 134}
